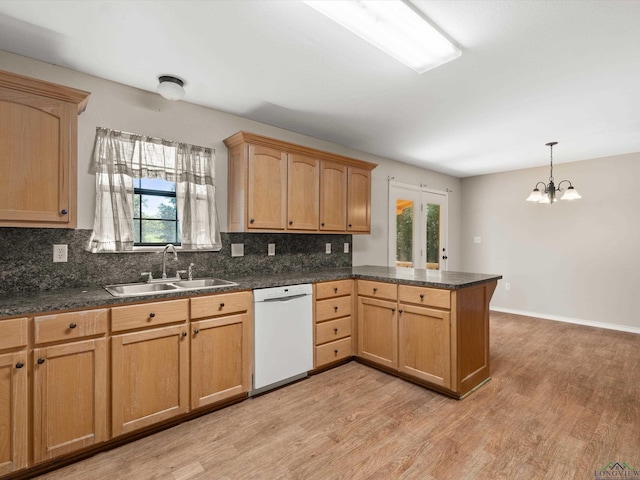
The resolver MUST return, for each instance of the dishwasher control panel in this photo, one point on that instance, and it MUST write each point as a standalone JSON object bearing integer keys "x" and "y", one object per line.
{"x": 262, "y": 294}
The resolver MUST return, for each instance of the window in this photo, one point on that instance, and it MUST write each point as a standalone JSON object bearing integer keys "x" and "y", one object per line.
{"x": 155, "y": 212}
{"x": 150, "y": 192}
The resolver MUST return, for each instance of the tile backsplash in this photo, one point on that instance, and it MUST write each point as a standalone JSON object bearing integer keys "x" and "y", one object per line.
{"x": 26, "y": 258}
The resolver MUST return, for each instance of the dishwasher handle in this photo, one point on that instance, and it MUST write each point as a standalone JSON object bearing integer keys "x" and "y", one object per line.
{"x": 285, "y": 299}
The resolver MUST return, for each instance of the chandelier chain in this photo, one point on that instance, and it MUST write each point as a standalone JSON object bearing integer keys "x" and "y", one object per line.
{"x": 551, "y": 175}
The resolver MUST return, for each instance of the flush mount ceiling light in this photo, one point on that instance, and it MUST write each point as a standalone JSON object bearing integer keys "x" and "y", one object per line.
{"x": 170, "y": 87}
{"x": 549, "y": 193}
{"x": 395, "y": 28}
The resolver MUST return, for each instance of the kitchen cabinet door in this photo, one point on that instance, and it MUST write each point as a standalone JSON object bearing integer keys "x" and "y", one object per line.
{"x": 13, "y": 414}
{"x": 425, "y": 344}
{"x": 220, "y": 359}
{"x": 149, "y": 377}
{"x": 69, "y": 397}
{"x": 359, "y": 200}
{"x": 303, "y": 193}
{"x": 378, "y": 331}
{"x": 38, "y": 150}
{"x": 267, "y": 192}
{"x": 333, "y": 197}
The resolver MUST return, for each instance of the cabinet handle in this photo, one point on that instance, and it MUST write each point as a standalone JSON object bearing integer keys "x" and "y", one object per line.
{"x": 375, "y": 290}
{"x": 400, "y": 312}
{"x": 421, "y": 296}
{"x": 72, "y": 325}
{"x": 335, "y": 352}
{"x": 64, "y": 211}
{"x": 151, "y": 315}
{"x": 251, "y": 221}
{"x": 322, "y": 224}
{"x": 19, "y": 365}
{"x": 290, "y": 222}
{"x": 335, "y": 330}
{"x": 40, "y": 361}
{"x": 222, "y": 305}
{"x": 335, "y": 309}
{"x": 196, "y": 331}
{"x": 184, "y": 334}
{"x": 335, "y": 290}
{"x": 349, "y": 225}
{"x": 393, "y": 310}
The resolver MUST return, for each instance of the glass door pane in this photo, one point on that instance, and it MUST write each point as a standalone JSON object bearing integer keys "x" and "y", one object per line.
{"x": 404, "y": 233}
{"x": 433, "y": 236}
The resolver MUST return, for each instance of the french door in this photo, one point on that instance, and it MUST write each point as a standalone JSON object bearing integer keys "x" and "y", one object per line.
{"x": 417, "y": 227}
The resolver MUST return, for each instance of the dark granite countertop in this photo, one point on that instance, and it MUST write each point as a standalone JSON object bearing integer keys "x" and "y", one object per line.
{"x": 25, "y": 303}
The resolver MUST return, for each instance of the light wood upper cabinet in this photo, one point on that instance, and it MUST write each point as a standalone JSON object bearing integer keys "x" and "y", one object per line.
{"x": 333, "y": 196}
{"x": 359, "y": 200}
{"x": 280, "y": 186}
{"x": 267, "y": 192}
{"x": 303, "y": 193}
{"x": 38, "y": 152}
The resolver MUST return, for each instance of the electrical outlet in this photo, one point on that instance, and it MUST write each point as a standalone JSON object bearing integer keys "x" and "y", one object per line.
{"x": 271, "y": 249}
{"x": 346, "y": 247}
{"x": 327, "y": 248}
{"x": 507, "y": 286}
{"x": 59, "y": 253}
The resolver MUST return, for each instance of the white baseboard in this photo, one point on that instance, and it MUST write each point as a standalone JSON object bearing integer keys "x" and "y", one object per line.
{"x": 577, "y": 321}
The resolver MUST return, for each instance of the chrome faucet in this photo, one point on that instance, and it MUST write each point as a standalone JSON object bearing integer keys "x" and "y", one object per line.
{"x": 168, "y": 247}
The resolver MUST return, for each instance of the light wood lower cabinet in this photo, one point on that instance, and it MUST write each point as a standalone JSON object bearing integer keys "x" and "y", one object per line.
{"x": 333, "y": 322}
{"x": 13, "y": 395}
{"x": 149, "y": 377}
{"x": 220, "y": 348}
{"x": 69, "y": 397}
{"x": 424, "y": 339}
{"x": 378, "y": 331}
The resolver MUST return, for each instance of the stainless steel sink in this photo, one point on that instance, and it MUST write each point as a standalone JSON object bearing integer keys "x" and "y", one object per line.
{"x": 203, "y": 283}
{"x": 138, "y": 289}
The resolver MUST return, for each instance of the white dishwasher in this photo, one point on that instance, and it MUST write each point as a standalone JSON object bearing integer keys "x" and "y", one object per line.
{"x": 283, "y": 336}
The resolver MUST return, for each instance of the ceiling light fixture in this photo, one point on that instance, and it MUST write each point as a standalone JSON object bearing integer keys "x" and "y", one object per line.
{"x": 170, "y": 87}
{"x": 549, "y": 194}
{"x": 395, "y": 28}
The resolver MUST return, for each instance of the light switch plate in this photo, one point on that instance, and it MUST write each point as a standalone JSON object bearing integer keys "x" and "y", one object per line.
{"x": 346, "y": 247}
{"x": 477, "y": 239}
{"x": 237, "y": 249}
{"x": 327, "y": 248}
{"x": 271, "y": 249}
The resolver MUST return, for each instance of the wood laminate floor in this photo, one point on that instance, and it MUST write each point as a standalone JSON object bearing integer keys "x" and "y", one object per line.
{"x": 564, "y": 401}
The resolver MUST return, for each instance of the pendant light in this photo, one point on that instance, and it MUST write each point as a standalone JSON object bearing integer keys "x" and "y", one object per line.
{"x": 548, "y": 195}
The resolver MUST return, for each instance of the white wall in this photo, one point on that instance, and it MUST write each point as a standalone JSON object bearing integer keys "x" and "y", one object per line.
{"x": 575, "y": 261}
{"x": 117, "y": 106}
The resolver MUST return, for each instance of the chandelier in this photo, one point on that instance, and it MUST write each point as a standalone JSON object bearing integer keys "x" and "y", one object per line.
{"x": 548, "y": 195}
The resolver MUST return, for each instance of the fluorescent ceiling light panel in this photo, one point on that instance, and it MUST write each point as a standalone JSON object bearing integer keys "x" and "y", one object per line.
{"x": 393, "y": 27}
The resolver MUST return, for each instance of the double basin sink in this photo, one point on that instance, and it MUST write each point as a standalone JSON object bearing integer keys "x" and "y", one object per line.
{"x": 165, "y": 286}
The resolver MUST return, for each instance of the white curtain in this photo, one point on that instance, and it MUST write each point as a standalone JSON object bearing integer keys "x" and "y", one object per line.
{"x": 120, "y": 157}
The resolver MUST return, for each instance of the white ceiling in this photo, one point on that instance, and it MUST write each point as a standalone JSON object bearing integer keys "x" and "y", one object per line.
{"x": 530, "y": 72}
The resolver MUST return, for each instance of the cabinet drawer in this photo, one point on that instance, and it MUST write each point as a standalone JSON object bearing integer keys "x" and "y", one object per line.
{"x": 223, "y": 304}
{"x": 149, "y": 314}
{"x": 388, "y": 291}
{"x": 333, "y": 330}
{"x": 432, "y": 297}
{"x": 69, "y": 326}
{"x": 13, "y": 333}
{"x": 333, "y": 308}
{"x": 333, "y": 289}
{"x": 333, "y": 351}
